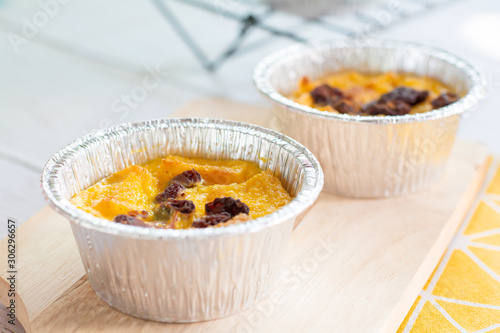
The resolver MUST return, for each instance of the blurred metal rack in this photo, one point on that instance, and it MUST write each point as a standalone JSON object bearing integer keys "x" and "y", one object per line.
{"x": 252, "y": 14}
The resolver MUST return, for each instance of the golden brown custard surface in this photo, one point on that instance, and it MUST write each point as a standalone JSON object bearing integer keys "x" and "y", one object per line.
{"x": 390, "y": 93}
{"x": 161, "y": 193}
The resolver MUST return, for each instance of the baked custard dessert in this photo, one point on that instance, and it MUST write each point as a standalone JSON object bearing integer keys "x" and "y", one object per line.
{"x": 387, "y": 94}
{"x": 179, "y": 193}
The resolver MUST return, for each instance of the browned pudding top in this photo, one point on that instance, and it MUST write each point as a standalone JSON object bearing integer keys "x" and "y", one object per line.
{"x": 179, "y": 193}
{"x": 387, "y": 94}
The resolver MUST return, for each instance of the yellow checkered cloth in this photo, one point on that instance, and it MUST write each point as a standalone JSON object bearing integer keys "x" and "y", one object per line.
{"x": 463, "y": 293}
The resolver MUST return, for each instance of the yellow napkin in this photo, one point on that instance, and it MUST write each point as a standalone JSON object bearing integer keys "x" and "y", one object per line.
{"x": 463, "y": 293}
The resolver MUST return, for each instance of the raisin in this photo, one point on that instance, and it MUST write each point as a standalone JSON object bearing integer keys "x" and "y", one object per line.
{"x": 444, "y": 99}
{"x": 211, "y": 220}
{"x": 227, "y": 205}
{"x": 399, "y": 107}
{"x": 171, "y": 192}
{"x": 188, "y": 178}
{"x": 325, "y": 94}
{"x": 390, "y": 108}
{"x": 130, "y": 220}
{"x": 346, "y": 106}
{"x": 143, "y": 214}
{"x": 162, "y": 212}
{"x": 408, "y": 95}
{"x": 183, "y": 206}
{"x": 372, "y": 108}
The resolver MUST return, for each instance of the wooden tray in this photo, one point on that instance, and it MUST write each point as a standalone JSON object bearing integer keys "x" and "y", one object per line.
{"x": 351, "y": 266}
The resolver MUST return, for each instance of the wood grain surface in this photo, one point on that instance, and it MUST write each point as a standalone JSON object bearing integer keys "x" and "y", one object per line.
{"x": 351, "y": 265}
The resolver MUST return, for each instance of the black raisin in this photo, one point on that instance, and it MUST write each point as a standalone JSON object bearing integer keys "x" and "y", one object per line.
{"x": 391, "y": 108}
{"x": 346, "y": 106}
{"x": 228, "y": 205}
{"x": 408, "y": 95}
{"x": 325, "y": 94}
{"x": 130, "y": 220}
{"x": 188, "y": 178}
{"x": 211, "y": 220}
{"x": 444, "y": 99}
{"x": 171, "y": 192}
{"x": 183, "y": 206}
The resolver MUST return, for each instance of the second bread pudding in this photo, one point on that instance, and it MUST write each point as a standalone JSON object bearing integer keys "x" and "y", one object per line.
{"x": 387, "y": 94}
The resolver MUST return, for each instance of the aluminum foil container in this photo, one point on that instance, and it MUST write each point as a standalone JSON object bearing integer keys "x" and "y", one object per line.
{"x": 181, "y": 275}
{"x": 366, "y": 156}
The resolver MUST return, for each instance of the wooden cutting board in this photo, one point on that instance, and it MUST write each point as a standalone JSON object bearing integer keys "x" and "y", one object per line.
{"x": 351, "y": 266}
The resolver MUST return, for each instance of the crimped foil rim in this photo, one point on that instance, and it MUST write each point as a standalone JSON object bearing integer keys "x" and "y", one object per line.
{"x": 312, "y": 185}
{"x": 266, "y": 67}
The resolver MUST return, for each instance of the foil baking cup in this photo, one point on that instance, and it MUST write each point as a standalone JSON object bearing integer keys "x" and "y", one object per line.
{"x": 181, "y": 275}
{"x": 366, "y": 156}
